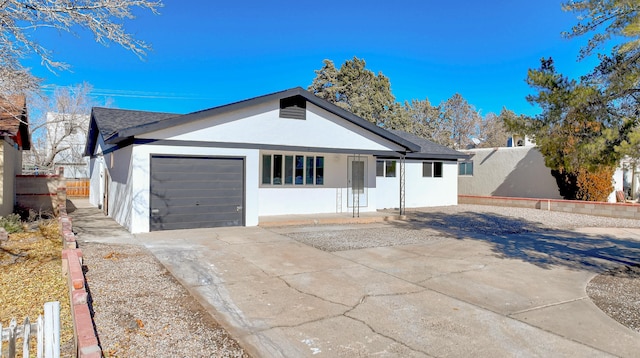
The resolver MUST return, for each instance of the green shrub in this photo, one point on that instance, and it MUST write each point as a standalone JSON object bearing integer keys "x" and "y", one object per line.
{"x": 12, "y": 223}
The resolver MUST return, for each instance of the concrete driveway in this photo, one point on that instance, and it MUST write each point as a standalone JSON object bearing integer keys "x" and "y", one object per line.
{"x": 443, "y": 297}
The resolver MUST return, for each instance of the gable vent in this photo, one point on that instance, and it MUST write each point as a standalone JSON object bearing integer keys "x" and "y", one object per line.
{"x": 293, "y": 107}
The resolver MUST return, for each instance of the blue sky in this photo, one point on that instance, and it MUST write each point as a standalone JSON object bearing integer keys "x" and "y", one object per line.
{"x": 209, "y": 53}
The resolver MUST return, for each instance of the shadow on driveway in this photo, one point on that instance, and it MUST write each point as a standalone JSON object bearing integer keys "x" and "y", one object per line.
{"x": 531, "y": 241}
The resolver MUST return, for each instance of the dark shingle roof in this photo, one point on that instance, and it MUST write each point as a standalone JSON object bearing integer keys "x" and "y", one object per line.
{"x": 429, "y": 149}
{"x": 110, "y": 121}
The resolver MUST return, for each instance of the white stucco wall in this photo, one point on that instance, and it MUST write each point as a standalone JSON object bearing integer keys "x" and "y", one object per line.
{"x": 120, "y": 167}
{"x": 419, "y": 191}
{"x": 95, "y": 182}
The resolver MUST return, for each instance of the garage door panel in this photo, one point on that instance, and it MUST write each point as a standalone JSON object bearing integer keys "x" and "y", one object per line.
{"x": 202, "y": 218}
{"x": 162, "y": 177}
{"x": 201, "y": 201}
{"x": 200, "y": 209}
{"x": 196, "y": 192}
{"x": 197, "y": 185}
{"x": 197, "y": 170}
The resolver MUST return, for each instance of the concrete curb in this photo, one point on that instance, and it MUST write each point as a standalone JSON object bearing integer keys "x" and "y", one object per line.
{"x": 330, "y": 221}
{"x": 86, "y": 340}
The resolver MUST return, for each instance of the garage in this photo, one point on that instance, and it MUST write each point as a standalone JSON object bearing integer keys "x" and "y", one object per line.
{"x": 189, "y": 192}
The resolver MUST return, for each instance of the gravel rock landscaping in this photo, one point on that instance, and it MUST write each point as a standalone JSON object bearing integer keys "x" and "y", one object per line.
{"x": 140, "y": 310}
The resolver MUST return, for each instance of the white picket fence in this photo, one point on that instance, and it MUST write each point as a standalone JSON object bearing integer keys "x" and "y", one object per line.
{"x": 46, "y": 331}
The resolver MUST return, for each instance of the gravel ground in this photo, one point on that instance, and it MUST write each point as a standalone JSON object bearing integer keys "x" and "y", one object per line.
{"x": 140, "y": 310}
{"x": 615, "y": 292}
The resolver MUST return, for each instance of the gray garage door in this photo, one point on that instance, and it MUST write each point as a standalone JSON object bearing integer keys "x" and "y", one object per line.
{"x": 196, "y": 192}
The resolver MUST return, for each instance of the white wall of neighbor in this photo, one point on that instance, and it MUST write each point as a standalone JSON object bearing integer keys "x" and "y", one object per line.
{"x": 618, "y": 183}
{"x": 419, "y": 191}
{"x": 511, "y": 172}
{"x": 261, "y": 124}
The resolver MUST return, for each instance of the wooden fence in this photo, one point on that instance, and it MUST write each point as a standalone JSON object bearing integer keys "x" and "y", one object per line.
{"x": 78, "y": 188}
{"x": 46, "y": 331}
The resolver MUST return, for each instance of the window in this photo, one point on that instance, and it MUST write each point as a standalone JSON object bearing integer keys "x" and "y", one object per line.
{"x": 379, "y": 168}
{"x": 278, "y": 169}
{"x": 386, "y": 168}
{"x": 299, "y": 169}
{"x": 319, "y": 170}
{"x": 309, "y": 170}
{"x": 437, "y": 169}
{"x": 288, "y": 169}
{"x": 432, "y": 169}
{"x": 390, "y": 168}
{"x": 266, "y": 169}
{"x": 465, "y": 168}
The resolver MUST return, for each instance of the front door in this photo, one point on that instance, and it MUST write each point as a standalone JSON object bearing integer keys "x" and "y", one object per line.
{"x": 357, "y": 181}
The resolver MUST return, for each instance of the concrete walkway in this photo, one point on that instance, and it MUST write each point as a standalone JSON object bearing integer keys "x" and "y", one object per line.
{"x": 444, "y": 297}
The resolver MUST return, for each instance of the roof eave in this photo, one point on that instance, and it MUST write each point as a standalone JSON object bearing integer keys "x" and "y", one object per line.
{"x": 436, "y": 156}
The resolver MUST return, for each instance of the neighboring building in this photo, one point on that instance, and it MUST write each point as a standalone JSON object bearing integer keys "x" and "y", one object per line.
{"x": 284, "y": 153}
{"x": 506, "y": 171}
{"x": 517, "y": 170}
{"x": 14, "y": 135}
{"x": 67, "y": 133}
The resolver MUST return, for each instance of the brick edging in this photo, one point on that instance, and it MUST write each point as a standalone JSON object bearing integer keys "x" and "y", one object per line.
{"x": 86, "y": 340}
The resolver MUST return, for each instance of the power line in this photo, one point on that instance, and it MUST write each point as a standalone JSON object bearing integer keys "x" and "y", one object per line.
{"x": 99, "y": 92}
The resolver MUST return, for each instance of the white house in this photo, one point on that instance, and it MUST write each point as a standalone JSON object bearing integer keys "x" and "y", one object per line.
{"x": 289, "y": 152}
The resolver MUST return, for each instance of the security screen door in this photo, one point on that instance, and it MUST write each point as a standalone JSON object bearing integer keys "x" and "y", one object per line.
{"x": 357, "y": 181}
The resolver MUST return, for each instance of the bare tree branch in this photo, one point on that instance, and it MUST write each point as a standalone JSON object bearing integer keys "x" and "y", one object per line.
{"x": 19, "y": 18}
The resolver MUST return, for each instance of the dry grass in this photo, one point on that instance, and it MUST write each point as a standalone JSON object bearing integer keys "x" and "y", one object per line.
{"x": 31, "y": 274}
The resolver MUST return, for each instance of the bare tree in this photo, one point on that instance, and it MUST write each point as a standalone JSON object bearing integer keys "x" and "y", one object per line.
{"x": 19, "y": 18}
{"x": 460, "y": 119}
{"x": 59, "y": 127}
{"x": 492, "y": 130}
